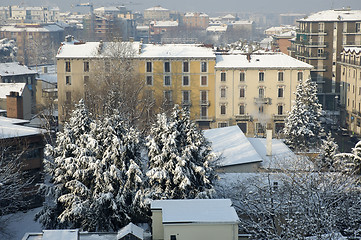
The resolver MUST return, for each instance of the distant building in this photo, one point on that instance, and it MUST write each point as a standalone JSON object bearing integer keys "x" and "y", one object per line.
{"x": 157, "y": 13}
{"x": 194, "y": 219}
{"x": 37, "y": 43}
{"x": 279, "y": 30}
{"x": 290, "y": 18}
{"x": 196, "y": 20}
{"x": 282, "y": 42}
{"x": 350, "y": 90}
{"x": 320, "y": 39}
{"x": 33, "y": 14}
{"x": 16, "y": 99}
{"x": 13, "y": 72}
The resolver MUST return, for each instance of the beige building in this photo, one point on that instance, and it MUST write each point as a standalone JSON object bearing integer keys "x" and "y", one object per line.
{"x": 350, "y": 101}
{"x": 34, "y": 14}
{"x": 319, "y": 41}
{"x": 196, "y": 20}
{"x": 194, "y": 219}
{"x": 256, "y": 91}
{"x": 157, "y": 13}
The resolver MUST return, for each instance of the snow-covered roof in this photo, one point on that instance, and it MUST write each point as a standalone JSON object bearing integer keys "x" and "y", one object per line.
{"x": 270, "y": 60}
{"x": 176, "y": 51}
{"x": 130, "y": 228}
{"x": 221, "y": 28}
{"x": 164, "y": 23}
{"x": 196, "y": 211}
{"x": 356, "y": 50}
{"x": 91, "y": 49}
{"x": 232, "y": 145}
{"x": 242, "y": 22}
{"x": 34, "y": 28}
{"x": 144, "y": 28}
{"x": 10, "y": 129}
{"x": 156, "y": 8}
{"x": 111, "y": 8}
{"x": 229, "y": 16}
{"x": 334, "y": 15}
{"x": 6, "y": 88}
{"x": 14, "y": 69}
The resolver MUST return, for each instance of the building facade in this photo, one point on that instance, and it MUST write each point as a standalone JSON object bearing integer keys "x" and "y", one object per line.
{"x": 256, "y": 91}
{"x": 319, "y": 42}
{"x": 196, "y": 20}
{"x": 350, "y": 96}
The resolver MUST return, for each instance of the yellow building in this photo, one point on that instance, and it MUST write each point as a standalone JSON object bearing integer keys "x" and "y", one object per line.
{"x": 181, "y": 74}
{"x": 256, "y": 91}
{"x": 350, "y": 101}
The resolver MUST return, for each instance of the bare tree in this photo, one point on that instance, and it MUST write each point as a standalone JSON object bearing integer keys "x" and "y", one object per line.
{"x": 117, "y": 86}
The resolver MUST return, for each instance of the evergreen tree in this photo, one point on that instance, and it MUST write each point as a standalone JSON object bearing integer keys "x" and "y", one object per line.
{"x": 350, "y": 163}
{"x": 96, "y": 175}
{"x": 179, "y": 159}
{"x": 327, "y": 158}
{"x": 303, "y": 126}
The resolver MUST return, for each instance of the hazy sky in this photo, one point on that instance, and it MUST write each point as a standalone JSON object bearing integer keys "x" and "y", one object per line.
{"x": 208, "y": 6}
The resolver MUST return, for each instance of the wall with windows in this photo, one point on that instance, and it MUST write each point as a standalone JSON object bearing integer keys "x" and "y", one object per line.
{"x": 256, "y": 98}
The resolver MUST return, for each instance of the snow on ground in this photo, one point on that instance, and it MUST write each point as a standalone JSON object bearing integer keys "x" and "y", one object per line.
{"x": 14, "y": 226}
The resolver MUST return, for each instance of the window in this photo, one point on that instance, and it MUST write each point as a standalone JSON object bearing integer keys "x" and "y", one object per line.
{"x": 86, "y": 80}
{"x": 280, "y": 76}
{"x": 203, "y": 66}
{"x": 223, "y": 77}
{"x": 68, "y": 80}
{"x": 204, "y": 97}
{"x": 223, "y": 92}
{"x": 358, "y": 27}
{"x": 167, "y": 81}
{"x": 242, "y": 92}
{"x": 320, "y": 52}
{"x": 260, "y": 109}
{"x": 261, "y": 76}
{"x": 185, "y": 81}
{"x": 86, "y": 66}
{"x": 149, "y": 66}
{"x": 321, "y": 40}
{"x": 67, "y": 67}
{"x": 241, "y": 109}
{"x": 173, "y": 237}
{"x": 259, "y": 128}
{"x": 149, "y": 80}
{"x": 186, "y": 96}
{"x": 321, "y": 27}
{"x": 223, "y": 109}
{"x": 204, "y": 81}
{"x": 68, "y": 97}
{"x": 168, "y": 96}
{"x": 166, "y": 66}
{"x": 300, "y": 76}
{"x": 243, "y": 127}
{"x": 261, "y": 92}
{"x": 204, "y": 111}
{"x": 185, "y": 66}
{"x": 222, "y": 124}
{"x": 242, "y": 77}
{"x": 280, "y": 109}
{"x": 280, "y": 92}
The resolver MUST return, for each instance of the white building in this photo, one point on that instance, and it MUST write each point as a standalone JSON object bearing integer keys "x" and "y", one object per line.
{"x": 194, "y": 219}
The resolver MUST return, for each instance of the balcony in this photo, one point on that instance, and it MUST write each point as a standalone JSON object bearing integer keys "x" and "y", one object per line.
{"x": 204, "y": 119}
{"x": 323, "y": 33}
{"x": 262, "y": 100}
{"x": 352, "y": 44}
{"x": 312, "y": 56}
{"x": 204, "y": 103}
{"x": 277, "y": 117}
{"x": 186, "y": 103}
{"x": 245, "y": 117}
{"x": 316, "y": 44}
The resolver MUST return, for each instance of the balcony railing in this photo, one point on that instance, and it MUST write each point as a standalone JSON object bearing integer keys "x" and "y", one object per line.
{"x": 204, "y": 103}
{"x": 277, "y": 117}
{"x": 245, "y": 117}
{"x": 186, "y": 103}
{"x": 311, "y": 56}
{"x": 204, "y": 119}
{"x": 262, "y": 100}
{"x": 352, "y": 43}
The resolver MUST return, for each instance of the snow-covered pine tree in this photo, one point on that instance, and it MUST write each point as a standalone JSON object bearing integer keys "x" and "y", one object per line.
{"x": 180, "y": 159}
{"x": 327, "y": 158}
{"x": 90, "y": 169}
{"x": 350, "y": 163}
{"x": 302, "y": 125}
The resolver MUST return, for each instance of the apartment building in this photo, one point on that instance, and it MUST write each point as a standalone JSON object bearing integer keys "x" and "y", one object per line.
{"x": 34, "y": 14}
{"x": 157, "y": 13}
{"x": 181, "y": 74}
{"x": 256, "y": 91}
{"x": 319, "y": 42}
{"x": 37, "y": 43}
{"x": 350, "y": 97}
{"x": 196, "y": 20}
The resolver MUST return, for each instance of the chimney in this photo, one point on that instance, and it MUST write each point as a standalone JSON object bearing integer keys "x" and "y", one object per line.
{"x": 249, "y": 57}
{"x": 14, "y": 105}
{"x": 269, "y": 142}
